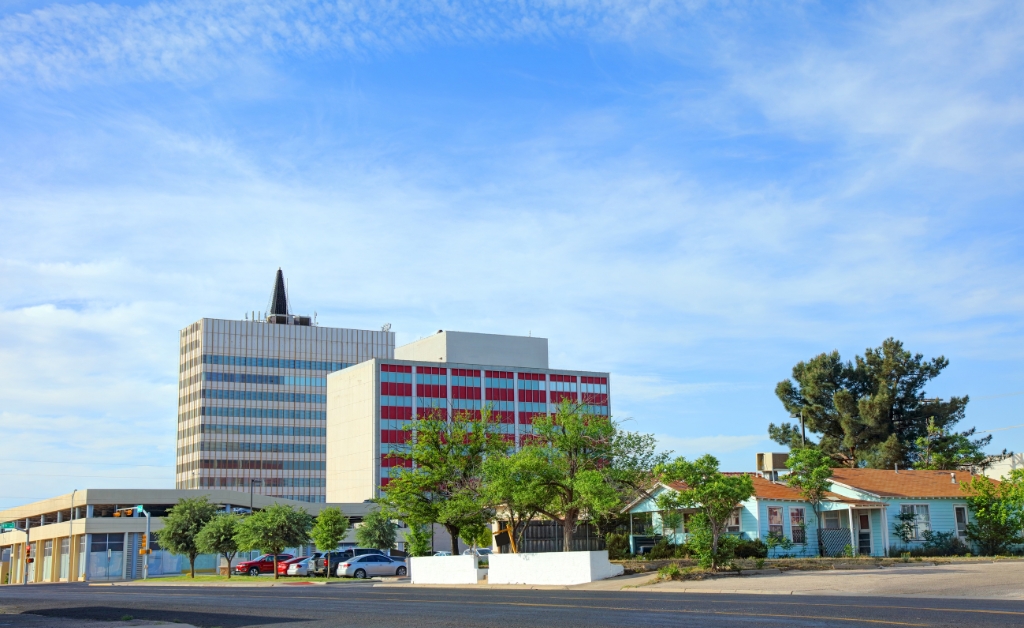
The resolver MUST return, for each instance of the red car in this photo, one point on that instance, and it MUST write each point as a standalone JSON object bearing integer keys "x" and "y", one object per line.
{"x": 263, "y": 564}
{"x": 282, "y": 566}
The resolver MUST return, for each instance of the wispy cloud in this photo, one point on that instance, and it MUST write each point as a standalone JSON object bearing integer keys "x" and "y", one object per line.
{"x": 65, "y": 44}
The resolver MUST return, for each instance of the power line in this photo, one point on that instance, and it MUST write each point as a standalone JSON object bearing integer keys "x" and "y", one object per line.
{"x": 1000, "y": 429}
{"x": 116, "y": 464}
{"x": 1013, "y": 394}
{"x": 76, "y": 475}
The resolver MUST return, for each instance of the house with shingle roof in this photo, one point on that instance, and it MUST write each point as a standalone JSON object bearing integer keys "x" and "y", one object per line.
{"x": 774, "y": 509}
{"x": 859, "y": 514}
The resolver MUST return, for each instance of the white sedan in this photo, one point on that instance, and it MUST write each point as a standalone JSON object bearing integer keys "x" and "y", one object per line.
{"x": 300, "y": 568}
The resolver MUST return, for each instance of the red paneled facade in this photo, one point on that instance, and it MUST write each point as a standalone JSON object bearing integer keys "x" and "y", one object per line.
{"x": 515, "y": 396}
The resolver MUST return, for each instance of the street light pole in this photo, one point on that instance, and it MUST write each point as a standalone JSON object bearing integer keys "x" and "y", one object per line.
{"x": 71, "y": 531}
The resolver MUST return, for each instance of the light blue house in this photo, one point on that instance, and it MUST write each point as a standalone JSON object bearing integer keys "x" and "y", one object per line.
{"x": 934, "y": 497}
{"x": 859, "y": 515}
{"x": 776, "y": 509}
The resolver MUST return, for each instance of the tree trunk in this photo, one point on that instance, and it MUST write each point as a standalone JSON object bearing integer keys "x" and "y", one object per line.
{"x": 454, "y": 533}
{"x": 228, "y": 558}
{"x": 275, "y": 565}
{"x": 192, "y": 566}
{"x": 714, "y": 549}
{"x": 567, "y": 525}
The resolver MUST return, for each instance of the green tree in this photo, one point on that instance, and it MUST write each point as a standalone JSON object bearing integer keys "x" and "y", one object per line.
{"x": 670, "y": 505}
{"x": 905, "y": 528}
{"x": 274, "y": 529}
{"x": 377, "y": 530}
{"x": 218, "y": 537}
{"x": 943, "y": 449}
{"x": 714, "y": 495}
{"x": 329, "y": 529}
{"x": 182, "y": 525}
{"x": 417, "y": 540}
{"x": 446, "y": 485}
{"x": 810, "y": 473}
{"x": 998, "y": 513}
{"x": 510, "y": 487}
{"x": 580, "y": 463}
{"x": 871, "y": 410}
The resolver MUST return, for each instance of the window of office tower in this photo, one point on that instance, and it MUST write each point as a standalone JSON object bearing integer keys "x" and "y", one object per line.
{"x": 562, "y": 387}
{"x": 532, "y": 396}
{"x": 466, "y": 392}
{"x": 395, "y": 418}
{"x": 499, "y": 390}
{"x": 431, "y": 392}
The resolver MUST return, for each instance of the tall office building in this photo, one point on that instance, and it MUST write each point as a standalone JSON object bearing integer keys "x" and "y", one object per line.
{"x": 369, "y": 406}
{"x": 252, "y": 399}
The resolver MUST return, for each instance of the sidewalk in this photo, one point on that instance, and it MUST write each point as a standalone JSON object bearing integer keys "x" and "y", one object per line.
{"x": 1002, "y": 580}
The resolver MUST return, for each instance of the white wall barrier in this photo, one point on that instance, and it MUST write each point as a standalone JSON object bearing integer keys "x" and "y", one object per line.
{"x": 550, "y": 568}
{"x": 444, "y": 570}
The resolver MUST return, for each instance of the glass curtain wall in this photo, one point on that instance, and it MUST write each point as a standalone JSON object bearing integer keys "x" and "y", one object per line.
{"x": 106, "y": 557}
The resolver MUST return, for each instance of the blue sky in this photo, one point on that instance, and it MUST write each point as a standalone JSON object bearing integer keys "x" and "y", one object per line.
{"x": 693, "y": 196}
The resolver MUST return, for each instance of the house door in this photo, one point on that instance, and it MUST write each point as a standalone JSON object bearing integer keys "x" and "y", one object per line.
{"x": 864, "y": 536}
{"x": 961, "y": 522}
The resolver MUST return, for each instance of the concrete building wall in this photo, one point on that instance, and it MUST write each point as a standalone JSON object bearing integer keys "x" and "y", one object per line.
{"x": 252, "y": 403}
{"x": 353, "y": 417}
{"x": 462, "y": 347}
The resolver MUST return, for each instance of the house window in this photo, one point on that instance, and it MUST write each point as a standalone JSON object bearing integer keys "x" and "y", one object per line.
{"x": 796, "y": 524}
{"x": 922, "y": 520}
{"x": 961, "y": 521}
{"x": 832, "y": 520}
{"x": 733, "y": 525}
{"x": 775, "y": 521}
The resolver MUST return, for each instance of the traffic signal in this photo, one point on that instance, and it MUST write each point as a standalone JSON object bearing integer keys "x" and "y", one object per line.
{"x": 124, "y": 512}
{"x": 145, "y": 541}
{"x": 28, "y": 554}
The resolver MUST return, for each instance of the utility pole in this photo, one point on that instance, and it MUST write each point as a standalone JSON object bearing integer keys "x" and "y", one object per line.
{"x": 145, "y": 550}
{"x": 71, "y": 531}
{"x": 28, "y": 553}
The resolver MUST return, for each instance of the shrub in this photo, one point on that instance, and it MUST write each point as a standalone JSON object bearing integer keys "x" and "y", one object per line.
{"x": 751, "y": 549}
{"x": 662, "y": 550}
{"x": 618, "y": 546}
{"x": 943, "y": 544}
{"x": 701, "y": 544}
{"x": 670, "y": 571}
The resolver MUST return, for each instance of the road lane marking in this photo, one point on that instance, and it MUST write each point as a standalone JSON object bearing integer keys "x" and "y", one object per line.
{"x": 616, "y": 608}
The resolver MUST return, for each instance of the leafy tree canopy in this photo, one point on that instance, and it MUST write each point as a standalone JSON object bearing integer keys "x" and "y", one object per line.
{"x": 942, "y": 448}
{"x": 810, "y": 473}
{"x": 998, "y": 512}
{"x": 446, "y": 485}
{"x": 377, "y": 530}
{"x": 183, "y": 524}
{"x": 714, "y": 494}
{"x": 218, "y": 537}
{"x": 273, "y": 529}
{"x": 584, "y": 466}
{"x": 870, "y": 411}
{"x": 329, "y": 529}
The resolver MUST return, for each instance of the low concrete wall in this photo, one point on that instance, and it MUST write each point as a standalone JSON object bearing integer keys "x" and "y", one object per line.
{"x": 551, "y": 568}
{"x": 443, "y": 570}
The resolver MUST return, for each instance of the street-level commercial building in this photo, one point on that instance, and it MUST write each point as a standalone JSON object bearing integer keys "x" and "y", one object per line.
{"x": 371, "y": 405}
{"x": 252, "y": 399}
{"x": 76, "y": 537}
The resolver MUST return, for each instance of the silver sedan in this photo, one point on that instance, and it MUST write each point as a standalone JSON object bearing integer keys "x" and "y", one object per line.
{"x": 300, "y": 568}
{"x": 368, "y": 565}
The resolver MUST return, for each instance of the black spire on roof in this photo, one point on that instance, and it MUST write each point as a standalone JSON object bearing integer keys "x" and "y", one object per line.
{"x": 279, "y": 299}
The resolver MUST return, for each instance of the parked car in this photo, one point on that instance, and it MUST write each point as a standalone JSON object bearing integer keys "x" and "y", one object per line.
{"x": 481, "y": 552}
{"x": 339, "y": 556}
{"x": 282, "y": 565}
{"x": 301, "y": 567}
{"x": 263, "y": 564}
{"x": 369, "y": 565}
{"x": 442, "y": 553}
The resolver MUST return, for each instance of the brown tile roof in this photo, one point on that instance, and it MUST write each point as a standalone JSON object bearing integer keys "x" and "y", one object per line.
{"x": 905, "y": 483}
{"x": 766, "y": 489}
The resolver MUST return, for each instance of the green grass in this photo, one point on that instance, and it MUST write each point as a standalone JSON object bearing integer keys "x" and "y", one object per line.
{"x": 243, "y": 578}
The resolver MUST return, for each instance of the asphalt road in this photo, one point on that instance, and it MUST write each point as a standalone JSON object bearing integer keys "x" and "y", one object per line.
{"x": 366, "y": 606}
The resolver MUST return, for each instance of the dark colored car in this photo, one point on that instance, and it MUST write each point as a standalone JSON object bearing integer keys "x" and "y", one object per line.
{"x": 337, "y": 557}
{"x": 263, "y": 564}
